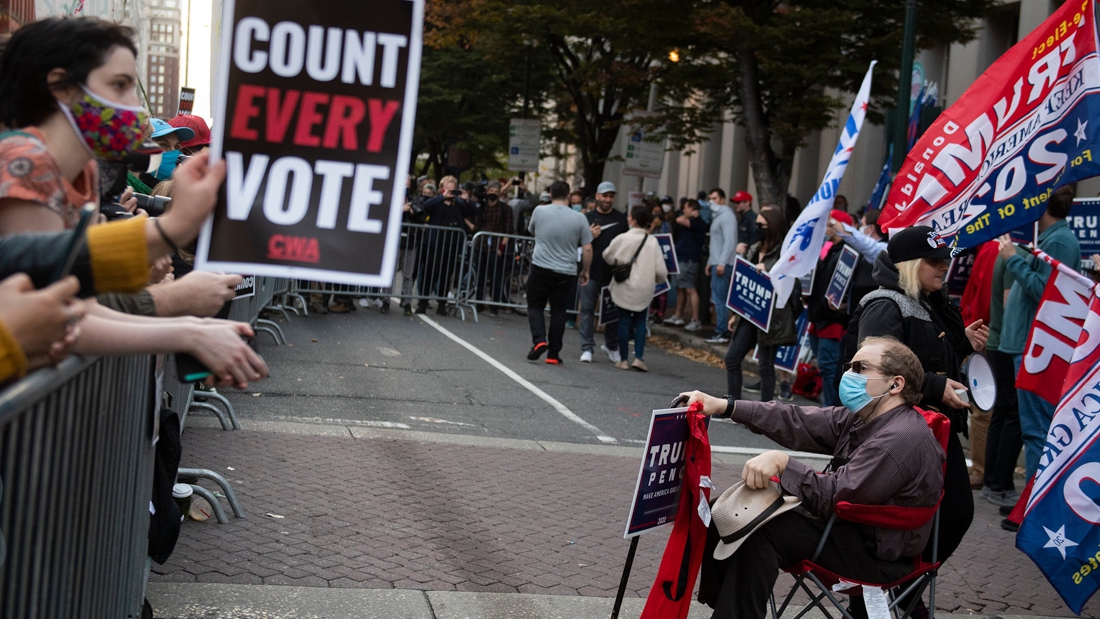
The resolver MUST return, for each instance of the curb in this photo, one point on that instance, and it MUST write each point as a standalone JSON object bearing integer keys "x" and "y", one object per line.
{"x": 223, "y": 601}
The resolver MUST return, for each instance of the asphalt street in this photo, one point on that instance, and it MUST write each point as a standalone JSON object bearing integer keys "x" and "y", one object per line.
{"x": 366, "y": 368}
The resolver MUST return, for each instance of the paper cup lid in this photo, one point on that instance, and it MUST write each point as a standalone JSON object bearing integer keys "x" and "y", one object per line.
{"x": 181, "y": 491}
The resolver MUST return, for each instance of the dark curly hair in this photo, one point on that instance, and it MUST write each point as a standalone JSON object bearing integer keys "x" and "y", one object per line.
{"x": 76, "y": 44}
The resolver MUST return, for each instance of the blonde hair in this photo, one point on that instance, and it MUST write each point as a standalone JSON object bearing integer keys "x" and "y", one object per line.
{"x": 909, "y": 278}
{"x": 447, "y": 179}
{"x": 163, "y": 188}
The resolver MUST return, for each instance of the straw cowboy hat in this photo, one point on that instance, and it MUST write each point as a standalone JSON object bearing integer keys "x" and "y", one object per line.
{"x": 741, "y": 510}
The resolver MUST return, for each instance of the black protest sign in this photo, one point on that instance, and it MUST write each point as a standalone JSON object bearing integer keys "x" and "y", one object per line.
{"x": 314, "y": 119}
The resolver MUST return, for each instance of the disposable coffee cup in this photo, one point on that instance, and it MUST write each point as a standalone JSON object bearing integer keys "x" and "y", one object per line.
{"x": 182, "y": 494}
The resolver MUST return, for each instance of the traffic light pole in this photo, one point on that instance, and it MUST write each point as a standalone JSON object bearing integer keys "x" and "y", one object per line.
{"x": 905, "y": 81}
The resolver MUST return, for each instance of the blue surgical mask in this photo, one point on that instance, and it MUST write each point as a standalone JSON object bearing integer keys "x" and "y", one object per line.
{"x": 577, "y": 207}
{"x": 853, "y": 391}
{"x": 168, "y": 162}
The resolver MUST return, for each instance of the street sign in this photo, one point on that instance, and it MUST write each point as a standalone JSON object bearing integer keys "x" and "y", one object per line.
{"x": 523, "y": 145}
{"x": 751, "y": 294}
{"x": 660, "y": 477}
{"x": 642, "y": 157}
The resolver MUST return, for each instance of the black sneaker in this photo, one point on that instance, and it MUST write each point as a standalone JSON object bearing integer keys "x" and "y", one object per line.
{"x": 785, "y": 392}
{"x": 385, "y": 309}
{"x": 1008, "y": 525}
{"x": 1005, "y": 511}
{"x": 553, "y": 360}
{"x": 536, "y": 351}
{"x": 422, "y": 309}
{"x": 441, "y": 309}
{"x": 407, "y": 309}
{"x": 752, "y": 388}
{"x": 493, "y": 312}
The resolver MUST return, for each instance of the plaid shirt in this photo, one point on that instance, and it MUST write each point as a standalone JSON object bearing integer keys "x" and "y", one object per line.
{"x": 495, "y": 218}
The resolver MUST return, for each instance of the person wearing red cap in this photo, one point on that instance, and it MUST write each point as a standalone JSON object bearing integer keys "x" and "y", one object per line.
{"x": 199, "y": 127}
{"x": 746, "y": 219}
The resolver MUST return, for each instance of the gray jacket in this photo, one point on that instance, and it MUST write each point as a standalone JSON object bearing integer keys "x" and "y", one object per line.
{"x": 723, "y": 236}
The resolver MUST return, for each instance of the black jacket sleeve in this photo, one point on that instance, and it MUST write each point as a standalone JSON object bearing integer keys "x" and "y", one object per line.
{"x": 38, "y": 254}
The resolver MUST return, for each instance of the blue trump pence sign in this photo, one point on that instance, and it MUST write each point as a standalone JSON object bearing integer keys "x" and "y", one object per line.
{"x": 751, "y": 294}
{"x": 660, "y": 477}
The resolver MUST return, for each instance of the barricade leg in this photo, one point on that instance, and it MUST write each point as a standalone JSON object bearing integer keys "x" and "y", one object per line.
{"x": 226, "y": 425}
{"x": 230, "y": 496}
{"x": 219, "y": 513}
{"x": 207, "y": 395}
{"x": 271, "y": 329}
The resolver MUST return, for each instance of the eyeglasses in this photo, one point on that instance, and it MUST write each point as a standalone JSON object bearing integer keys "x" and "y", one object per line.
{"x": 859, "y": 366}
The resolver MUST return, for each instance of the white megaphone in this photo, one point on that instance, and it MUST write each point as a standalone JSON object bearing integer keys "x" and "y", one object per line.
{"x": 981, "y": 385}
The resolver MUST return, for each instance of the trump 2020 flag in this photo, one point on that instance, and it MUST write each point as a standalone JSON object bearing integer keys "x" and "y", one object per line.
{"x": 1060, "y": 531}
{"x": 1025, "y": 127}
{"x": 1055, "y": 331}
{"x": 802, "y": 246}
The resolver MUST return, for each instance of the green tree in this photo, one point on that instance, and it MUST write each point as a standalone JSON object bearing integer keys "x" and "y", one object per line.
{"x": 466, "y": 98}
{"x": 603, "y": 55}
{"x": 777, "y": 66}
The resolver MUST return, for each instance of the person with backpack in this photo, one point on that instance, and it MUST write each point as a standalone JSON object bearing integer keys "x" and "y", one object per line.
{"x": 637, "y": 265}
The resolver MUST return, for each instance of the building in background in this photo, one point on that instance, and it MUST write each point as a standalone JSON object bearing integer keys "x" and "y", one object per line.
{"x": 15, "y": 13}
{"x": 160, "y": 47}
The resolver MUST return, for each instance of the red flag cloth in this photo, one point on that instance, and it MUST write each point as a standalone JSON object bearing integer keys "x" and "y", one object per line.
{"x": 1054, "y": 332}
{"x": 670, "y": 597}
{"x": 976, "y": 296}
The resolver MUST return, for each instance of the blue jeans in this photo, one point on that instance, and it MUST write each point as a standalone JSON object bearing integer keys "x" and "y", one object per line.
{"x": 1035, "y": 417}
{"x": 828, "y": 361}
{"x": 719, "y": 290}
{"x": 631, "y": 320}
{"x": 590, "y": 303}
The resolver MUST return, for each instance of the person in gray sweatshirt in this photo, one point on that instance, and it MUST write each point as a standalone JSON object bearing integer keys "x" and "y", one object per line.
{"x": 723, "y": 252}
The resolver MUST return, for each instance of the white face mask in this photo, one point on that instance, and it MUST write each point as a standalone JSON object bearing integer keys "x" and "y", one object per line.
{"x": 666, "y": 207}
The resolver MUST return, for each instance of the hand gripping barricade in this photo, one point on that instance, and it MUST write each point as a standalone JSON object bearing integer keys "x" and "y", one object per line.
{"x": 432, "y": 265}
{"x": 912, "y": 586}
{"x": 76, "y": 464}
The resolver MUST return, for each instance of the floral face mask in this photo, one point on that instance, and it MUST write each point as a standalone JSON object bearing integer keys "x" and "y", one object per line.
{"x": 110, "y": 130}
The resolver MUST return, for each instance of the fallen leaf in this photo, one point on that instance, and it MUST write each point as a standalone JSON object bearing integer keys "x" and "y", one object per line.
{"x": 314, "y": 341}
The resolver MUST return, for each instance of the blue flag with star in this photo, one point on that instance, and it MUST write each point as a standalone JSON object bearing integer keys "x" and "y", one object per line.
{"x": 1061, "y": 527}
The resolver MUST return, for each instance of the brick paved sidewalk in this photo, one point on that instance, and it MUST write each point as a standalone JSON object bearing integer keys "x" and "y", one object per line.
{"x": 383, "y": 514}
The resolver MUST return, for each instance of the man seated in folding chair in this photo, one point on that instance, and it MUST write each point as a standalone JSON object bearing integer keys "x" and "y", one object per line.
{"x": 883, "y": 453}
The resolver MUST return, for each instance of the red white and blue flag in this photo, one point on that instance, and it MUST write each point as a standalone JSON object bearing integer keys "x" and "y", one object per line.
{"x": 1055, "y": 330}
{"x": 802, "y": 245}
{"x": 1060, "y": 531}
{"x": 1028, "y": 125}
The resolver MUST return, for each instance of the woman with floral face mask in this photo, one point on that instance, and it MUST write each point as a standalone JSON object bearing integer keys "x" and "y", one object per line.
{"x": 68, "y": 95}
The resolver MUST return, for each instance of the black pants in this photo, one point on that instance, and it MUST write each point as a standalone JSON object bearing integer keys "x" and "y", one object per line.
{"x": 957, "y": 507}
{"x": 437, "y": 272}
{"x": 1004, "y": 442}
{"x": 742, "y": 342}
{"x": 738, "y": 587}
{"x": 490, "y": 267}
{"x": 544, "y": 285}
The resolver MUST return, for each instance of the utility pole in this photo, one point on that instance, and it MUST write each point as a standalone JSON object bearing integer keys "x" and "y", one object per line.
{"x": 905, "y": 81}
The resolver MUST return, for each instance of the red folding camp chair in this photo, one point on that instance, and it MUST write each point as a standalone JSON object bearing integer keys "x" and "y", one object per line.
{"x": 887, "y": 516}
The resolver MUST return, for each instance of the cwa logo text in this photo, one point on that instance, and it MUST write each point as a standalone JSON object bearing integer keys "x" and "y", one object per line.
{"x": 293, "y": 248}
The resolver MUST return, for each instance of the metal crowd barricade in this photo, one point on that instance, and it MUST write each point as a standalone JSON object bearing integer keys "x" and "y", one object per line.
{"x": 499, "y": 266}
{"x": 76, "y": 462}
{"x": 432, "y": 264}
